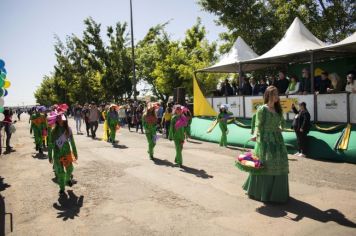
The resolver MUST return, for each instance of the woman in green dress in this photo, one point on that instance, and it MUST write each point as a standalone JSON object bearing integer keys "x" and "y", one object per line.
{"x": 271, "y": 183}
{"x": 176, "y": 133}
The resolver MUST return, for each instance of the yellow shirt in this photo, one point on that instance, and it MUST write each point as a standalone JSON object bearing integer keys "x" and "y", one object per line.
{"x": 167, "y": 116}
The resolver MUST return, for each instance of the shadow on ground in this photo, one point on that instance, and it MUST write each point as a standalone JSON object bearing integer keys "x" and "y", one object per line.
{"x": 68, "y": 205}
{"x": 304, "y": 210}
{"x": 3, "y": 213}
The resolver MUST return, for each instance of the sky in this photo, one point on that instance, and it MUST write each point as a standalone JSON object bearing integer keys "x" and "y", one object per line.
{"x": 28, "y": 28}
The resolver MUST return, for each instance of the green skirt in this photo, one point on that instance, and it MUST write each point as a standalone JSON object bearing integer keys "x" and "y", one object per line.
{"x": 267, "y": 188}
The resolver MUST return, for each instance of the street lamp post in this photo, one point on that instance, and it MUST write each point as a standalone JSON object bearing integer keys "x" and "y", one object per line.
{"x": 133, "y": 55}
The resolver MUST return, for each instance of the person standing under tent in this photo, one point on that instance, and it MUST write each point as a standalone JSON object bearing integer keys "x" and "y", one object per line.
{"x": 271, "y": 183}
{"x": 149, "y": 122}
{"x": 222, "y": 118}
{"x": 176, "y": 132}
{"x": 61, "y": 151}
{"x": 301, "y": 125}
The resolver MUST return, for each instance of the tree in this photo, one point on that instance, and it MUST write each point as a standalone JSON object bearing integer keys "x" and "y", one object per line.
{"x": 262, "y": 23}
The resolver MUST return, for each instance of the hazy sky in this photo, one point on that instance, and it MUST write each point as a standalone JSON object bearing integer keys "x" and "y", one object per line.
{"x": 28, "y": 28}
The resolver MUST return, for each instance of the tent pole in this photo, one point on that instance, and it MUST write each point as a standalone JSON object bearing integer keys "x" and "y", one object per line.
{"x": 312, "y": 71}
{"x": 240, "y": 73}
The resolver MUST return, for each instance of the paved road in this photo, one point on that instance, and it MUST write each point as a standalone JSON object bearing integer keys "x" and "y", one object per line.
{"x": 119, "y": 191}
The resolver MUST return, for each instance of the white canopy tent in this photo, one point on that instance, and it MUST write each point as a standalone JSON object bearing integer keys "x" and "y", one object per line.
{"x": 348, "y": 45}
{"x": 229, "y": 63}
{"x": 296, "y": 45}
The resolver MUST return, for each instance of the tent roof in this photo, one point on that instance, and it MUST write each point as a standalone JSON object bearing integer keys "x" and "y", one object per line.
{"x": 347, "y": 45}
{"x": 295, "y": 43}
{"x": 240, "y": 51}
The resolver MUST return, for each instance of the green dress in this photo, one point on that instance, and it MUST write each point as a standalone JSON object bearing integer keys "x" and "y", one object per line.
{"x": 38, "y": 124}
{"x": 60, "y": 147}
{"x": 222, "y": 118}
{"x": 177, "y": 134}
{"x": 112, "y": 118}
{"x": 271, "y": 183}
{"x": 149, "y": 123}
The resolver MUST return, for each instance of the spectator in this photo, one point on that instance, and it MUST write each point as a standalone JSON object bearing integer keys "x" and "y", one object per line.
{"x": 325, "y": 83}
{"x": 350, "y": 83}
{"x": 138, "y": 118}
{"x": 7, "y": 124}
{"x": 301, "y": 125}
{"x": 78, "y": 118}
{"x": 226, "y": 89}
{"x": 282, "y": 83}
{"x": 293, "y": 86}
{"x": 336, "y": 84}
{"x": 85, "y": 116}
{"x": 262, "y": 86}
{"x": 254, "y": 86}
{"x": 305, "y": 82}
{"x": 167, "y": 116}
{"x": 246, "y": 87}
{"x": 94, "y": 115}
{"x": 122, "y": 115}
{"x": 235, "y": 88}
{"x": 272, "y": 81}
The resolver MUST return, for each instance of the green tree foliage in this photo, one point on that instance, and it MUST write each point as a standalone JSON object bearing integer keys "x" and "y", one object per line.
{"x": 262, "y": 23}
{"x": 88, "y": 69}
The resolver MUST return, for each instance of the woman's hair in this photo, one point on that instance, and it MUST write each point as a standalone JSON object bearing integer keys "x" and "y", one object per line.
{"x": 169, "y": 109}
{"x": 268, "y": 94}
{"x": 294, "y": 77}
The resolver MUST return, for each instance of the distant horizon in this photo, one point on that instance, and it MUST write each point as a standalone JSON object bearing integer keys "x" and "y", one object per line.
{"x": 27, "y": 47}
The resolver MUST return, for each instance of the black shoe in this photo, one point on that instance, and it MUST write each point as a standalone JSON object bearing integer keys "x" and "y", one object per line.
{"x": 61, "y": 192}
{"x": 40, "y": 150}
{"x": 70, "y": 183}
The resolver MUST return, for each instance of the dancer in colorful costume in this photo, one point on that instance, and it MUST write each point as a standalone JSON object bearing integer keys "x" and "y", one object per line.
{"x": 149, "y": 121}
{"x": 189, "y": 117}
{"x": 222, "y": 118}
{"x": 112, "y": 118}
{"x": 176, "y": 133}
{"x": 38, "y": 124}
{"x": 61, "y": 150}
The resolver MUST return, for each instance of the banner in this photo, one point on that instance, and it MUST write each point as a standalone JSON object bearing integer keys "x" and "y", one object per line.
{"x": 286, "y": 104}
{"x": 218, "y": 102}
{"x": 353, "y": 108}
{"x": 201, "y": 105}
{"x": 236, "y": 105}
{"x": 332, "y": 107}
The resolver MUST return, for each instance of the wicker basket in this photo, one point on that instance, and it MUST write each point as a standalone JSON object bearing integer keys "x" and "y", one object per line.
{"x": 247, "y": 162}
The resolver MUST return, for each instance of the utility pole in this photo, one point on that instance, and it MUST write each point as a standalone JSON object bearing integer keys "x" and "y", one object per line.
{"x": 133, "y": 55}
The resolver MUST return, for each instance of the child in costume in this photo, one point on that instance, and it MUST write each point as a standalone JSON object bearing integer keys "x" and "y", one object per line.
{"x": 222, "y": 118}
{"x": 38, "y": 124}
{"x": 112, "y": 118}
{"x": 149, "y": 122}
{"x": 61, "y": 150}
{"x": 176, "y": 133}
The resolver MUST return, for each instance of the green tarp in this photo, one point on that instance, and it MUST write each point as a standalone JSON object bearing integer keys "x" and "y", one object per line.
{"x": 320, "y": 144}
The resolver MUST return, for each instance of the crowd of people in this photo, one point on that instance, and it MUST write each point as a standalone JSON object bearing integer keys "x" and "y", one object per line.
{"x": 325, "y": 83}
{"x": 51, "y": 131}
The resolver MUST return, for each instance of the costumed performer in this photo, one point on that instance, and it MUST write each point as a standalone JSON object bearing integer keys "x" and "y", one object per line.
{"x": 176, "y": 132}
{"x": 149, "y": 122}
{"x": 222, "y": 118}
